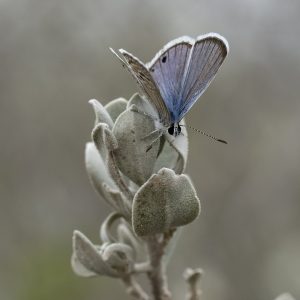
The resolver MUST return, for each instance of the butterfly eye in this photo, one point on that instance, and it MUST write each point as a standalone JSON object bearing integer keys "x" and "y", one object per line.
{"x": 171, "y": 130}
{"x": 164, "y": 59}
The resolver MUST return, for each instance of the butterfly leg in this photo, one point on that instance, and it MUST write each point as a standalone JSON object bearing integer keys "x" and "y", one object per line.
{"x": 136, "y": 109}
{"x": 160, "y": 133}
{"x": 152, "y": 135}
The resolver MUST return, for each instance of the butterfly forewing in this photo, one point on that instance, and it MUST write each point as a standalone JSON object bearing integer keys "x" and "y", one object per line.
{"x": 208, "y": 54}
{"x": 147, "y": 85}
{"x": 168, "y": 68}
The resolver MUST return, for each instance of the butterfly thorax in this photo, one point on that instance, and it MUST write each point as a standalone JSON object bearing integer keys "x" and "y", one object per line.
{"x": 174, "y": 129}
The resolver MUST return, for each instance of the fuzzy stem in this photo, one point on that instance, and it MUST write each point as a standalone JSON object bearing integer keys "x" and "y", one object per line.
{"x": 143, "y": 267}
{"x": 157, "y": 275}
{"x": 134, "y": 289}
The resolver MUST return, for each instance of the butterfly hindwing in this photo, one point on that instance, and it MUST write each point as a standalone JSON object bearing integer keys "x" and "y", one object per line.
{"x": 208, "y": 54}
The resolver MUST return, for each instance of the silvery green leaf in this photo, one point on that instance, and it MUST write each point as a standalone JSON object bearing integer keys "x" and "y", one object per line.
{"x": 119, "y": 257}
{"x": 97, "y": 170}
{"x": 132, "y": 156}
{"x": 175, "y": 151}
{"x": 133, "y": 186}
{"x": 285, "y": 296}
{"x": 170, "y": 158}
{"x": 116, "y": 107}
{"x": 174, "y": 154}
{"x": 165, "y": 201}
{"x": 142, "y": 106}
{"x": 118, "y": 201}
{"x": 79, "y": 269}
{"x": 119, "y": 179}
{"x": 102, "y": 116}
{"x": 106, "y": 143}
{"x": 104, "y": 140}
{"x": 126, "y": 236}
{"x": 86, "y": 258}
{"x": 106, "y": 228}
{"x": 103, "y": 183}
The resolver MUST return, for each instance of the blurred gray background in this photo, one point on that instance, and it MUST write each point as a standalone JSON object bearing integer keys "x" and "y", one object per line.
{"x": 54, "y": 57}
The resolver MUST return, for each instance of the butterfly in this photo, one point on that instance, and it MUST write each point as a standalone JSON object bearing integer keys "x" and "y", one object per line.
{"x": 177, "y": 75}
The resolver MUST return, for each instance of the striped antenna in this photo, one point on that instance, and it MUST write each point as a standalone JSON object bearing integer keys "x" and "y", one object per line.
{"x": 206, "y": 134}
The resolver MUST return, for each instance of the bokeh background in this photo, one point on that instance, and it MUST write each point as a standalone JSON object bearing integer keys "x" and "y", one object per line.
{"x": 54, "y": 57}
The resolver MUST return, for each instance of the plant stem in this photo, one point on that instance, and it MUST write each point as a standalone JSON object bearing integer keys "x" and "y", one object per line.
{"x": 134, "y": 289}
{"x": 143, "y": 267}
{"x": 157, "y": 275}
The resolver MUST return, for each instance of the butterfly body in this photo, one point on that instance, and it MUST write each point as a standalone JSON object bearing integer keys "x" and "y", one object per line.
{"x": 177, "y": 75}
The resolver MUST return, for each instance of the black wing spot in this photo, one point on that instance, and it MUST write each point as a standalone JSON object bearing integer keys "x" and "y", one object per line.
{"x": 152, "y": 69}
{"x": 164, "y": 59}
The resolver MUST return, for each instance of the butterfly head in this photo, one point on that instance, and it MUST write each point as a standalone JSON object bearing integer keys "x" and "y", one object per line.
{"x": 174, "y": 129}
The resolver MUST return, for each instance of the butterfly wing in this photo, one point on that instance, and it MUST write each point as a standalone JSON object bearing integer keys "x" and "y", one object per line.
{"x": 208, "y": 54}
{"x": 168, "y": 68}
{"x": 146, "y": 84}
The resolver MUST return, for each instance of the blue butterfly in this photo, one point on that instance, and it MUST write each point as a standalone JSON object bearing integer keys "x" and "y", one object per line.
{"x": 178, "y": 75}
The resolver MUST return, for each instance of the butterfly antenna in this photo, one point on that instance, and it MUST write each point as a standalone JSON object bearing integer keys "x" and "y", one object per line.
{"x": 206, "y": 134}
